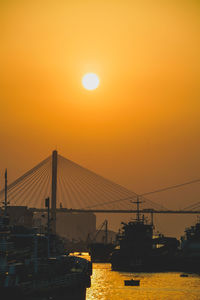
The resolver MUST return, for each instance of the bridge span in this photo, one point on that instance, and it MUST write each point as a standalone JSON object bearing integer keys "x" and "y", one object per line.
{"x": 120, "y": 211}
{"x": 73, "y": 188}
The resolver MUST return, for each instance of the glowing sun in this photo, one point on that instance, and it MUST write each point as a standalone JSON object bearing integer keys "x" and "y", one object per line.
{"x": 90, "y": 81}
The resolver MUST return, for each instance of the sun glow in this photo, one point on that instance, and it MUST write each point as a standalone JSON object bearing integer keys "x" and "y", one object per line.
{"x": 90, "y": 81}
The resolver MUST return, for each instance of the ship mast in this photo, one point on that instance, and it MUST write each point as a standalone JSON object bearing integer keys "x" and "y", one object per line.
{"x": 138, "y": 208}
{"x": 6, "y": 194}
{"x": 106, "y": 231}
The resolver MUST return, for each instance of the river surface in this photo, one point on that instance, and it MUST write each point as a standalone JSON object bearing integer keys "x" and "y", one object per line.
{"x": 109, "y": 285}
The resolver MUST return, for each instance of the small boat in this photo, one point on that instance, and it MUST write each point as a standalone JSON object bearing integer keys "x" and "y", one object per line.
{"x": 132, "y": 282}
{"x": 184, "y": 275}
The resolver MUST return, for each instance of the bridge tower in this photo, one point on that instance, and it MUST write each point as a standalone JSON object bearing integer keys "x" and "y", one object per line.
{"x": 54, "y": 190}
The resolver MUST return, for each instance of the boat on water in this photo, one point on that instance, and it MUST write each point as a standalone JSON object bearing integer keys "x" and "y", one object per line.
{"x": 189, "y": 258}
{"x": 183, "y": 275}
{"x": 139, "y": 251}
{"x": 34, "y": 265}
{"x": 26, "y": 272}
{"x": 132, "y": 282}
{"x": 101, "y": 251}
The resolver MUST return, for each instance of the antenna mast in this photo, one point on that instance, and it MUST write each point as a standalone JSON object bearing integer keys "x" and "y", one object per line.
{"x": 106, "y": 231}
{"x": 138, "y": 207}
{"x": 6, "y": 194}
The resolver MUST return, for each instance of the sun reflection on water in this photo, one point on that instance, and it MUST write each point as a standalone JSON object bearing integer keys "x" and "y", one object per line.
{"x": 109, "y": 285}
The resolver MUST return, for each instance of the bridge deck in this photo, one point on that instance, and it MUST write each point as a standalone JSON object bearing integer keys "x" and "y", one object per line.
{"x": 117, "y": 211}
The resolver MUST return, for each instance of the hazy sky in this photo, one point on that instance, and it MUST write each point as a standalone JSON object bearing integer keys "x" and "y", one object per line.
{"x": 141, "y": 127}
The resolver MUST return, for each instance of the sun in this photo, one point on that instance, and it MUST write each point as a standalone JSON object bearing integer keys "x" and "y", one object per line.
{"x": 90, "y": 81}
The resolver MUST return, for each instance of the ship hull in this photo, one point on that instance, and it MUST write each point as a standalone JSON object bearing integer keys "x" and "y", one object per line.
{"x": 191, "y": 265}
{"x": 70, "y": 286}
{"x": 157, "y": 263}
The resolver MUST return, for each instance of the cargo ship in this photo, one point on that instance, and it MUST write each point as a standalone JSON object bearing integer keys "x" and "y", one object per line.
{"x": 190, "y": 249}
{"x": 139, "y": 251}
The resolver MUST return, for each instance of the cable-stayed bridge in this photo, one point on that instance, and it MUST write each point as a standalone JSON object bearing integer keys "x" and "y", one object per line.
{"x": 72, "y": 187}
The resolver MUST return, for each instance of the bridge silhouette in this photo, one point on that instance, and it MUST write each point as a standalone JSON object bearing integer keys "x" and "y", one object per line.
{"x": 74, "y": 188}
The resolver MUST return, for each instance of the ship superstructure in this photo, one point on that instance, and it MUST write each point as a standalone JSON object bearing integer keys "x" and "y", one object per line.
{"x": 138, "y": 250}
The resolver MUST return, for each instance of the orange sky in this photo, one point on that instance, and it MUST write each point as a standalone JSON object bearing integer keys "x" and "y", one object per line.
{"x": 141, "y": 127}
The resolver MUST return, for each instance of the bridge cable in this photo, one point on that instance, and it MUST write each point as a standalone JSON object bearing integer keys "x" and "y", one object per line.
{"x": 10, "y": 186}
{"x": 171, "y": 187}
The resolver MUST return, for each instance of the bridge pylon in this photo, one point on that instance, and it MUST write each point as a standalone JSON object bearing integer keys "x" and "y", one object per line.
{"x": 54, "y": 190}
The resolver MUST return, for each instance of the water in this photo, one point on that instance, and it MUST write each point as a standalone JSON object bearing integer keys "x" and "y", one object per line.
{"x": 109, "y": 285}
